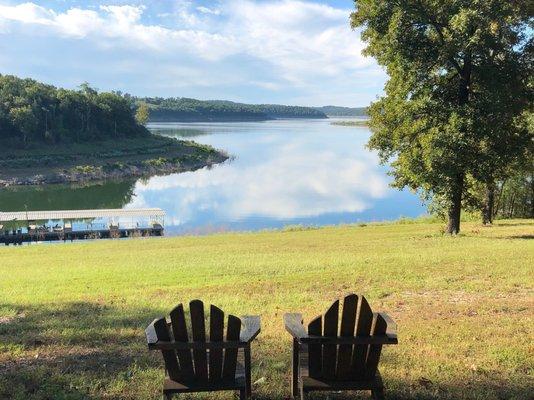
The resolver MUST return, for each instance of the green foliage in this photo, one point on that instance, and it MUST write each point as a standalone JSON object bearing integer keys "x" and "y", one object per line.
{"x": 515, "y": 196}
{"x": 157, "y": 162}
{"x": 32, "y": 113}
{"x": 336, "y": 111}
{"x": 85, "y": 169}
{"x": 142, "y": 114}
{"x": 190, "y": 110}
{"x": 453, "y": 108}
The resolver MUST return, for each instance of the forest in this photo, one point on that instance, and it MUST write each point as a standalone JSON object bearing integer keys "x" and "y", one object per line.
{"x": 181, "y": 109}
{"x": 35, "y": 113}
{"x": 336, "y": 111}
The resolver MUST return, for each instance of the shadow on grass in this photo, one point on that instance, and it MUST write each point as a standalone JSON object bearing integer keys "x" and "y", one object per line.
{"x": 82, "y": 350}
{"x": 524, "y": 237}
{"x": 70, "y": 350}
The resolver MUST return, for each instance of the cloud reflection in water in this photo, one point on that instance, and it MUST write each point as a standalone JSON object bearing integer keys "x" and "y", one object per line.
{"x": 284, "y": 172}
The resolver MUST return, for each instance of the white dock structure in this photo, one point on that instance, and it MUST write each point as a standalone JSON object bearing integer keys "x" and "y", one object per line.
{"x": 121, "y": 223}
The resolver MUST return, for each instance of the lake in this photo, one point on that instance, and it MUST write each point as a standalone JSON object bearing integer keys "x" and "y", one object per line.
{"x": 283, "y": 172}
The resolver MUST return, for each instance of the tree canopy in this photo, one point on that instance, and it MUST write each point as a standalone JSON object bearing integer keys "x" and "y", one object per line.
{"x": 460, "y": 82}
{"x": 33, "y": 112}
{"x": 183, "y": 109}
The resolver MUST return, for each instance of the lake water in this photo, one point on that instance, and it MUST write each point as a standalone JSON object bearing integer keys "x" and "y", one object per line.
{"x": 282, "y": 173}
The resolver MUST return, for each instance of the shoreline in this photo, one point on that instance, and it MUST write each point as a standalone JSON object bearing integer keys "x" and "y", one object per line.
{"x": 143, "y": 157}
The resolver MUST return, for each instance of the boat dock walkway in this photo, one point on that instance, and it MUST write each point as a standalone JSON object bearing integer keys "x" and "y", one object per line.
{"x": 46, "y": 226}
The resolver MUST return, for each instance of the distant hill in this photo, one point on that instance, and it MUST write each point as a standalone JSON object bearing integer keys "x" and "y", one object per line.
{"x": 181, "y": 109}
{"x": 335, "y": 111}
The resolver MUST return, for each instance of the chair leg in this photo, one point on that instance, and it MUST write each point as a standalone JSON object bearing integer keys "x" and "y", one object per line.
{"x": 243, "y": 394}
{"x": 248, "y": 373}
{"x": 378, "y": 394}
{"x": 302, "y": 395}
{"x": 295, "y": 370}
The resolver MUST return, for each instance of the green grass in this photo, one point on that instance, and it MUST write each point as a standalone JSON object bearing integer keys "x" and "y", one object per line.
{"x": 72, "y": 316}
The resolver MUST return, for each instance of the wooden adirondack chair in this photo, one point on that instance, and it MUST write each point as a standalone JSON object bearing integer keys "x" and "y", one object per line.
{"x": 213, "y": 364}
{"x": 345, "y": 358}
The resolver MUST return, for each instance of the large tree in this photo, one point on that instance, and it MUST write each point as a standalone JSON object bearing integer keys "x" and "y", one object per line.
{"x": 458, "y": 86}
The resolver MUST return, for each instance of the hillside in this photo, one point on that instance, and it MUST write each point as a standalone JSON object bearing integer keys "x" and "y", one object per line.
{"x": 54, "y": 135}
{"x": 336, "y": 111}
{"x": 181, "y": 109}
{"x": 72, "y": 317}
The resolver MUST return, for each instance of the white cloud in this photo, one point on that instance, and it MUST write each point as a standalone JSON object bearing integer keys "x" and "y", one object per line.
{"x": 206, "y": 10}
{"x": 300, "y": 43}
{"x": 295, "y": 181}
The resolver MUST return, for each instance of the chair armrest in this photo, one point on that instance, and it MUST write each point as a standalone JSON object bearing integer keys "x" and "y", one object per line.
{"x": 391, "y": 330}
{"x": 150, "y": 333}
{"x": 293, "y": 324}
{"x": 252, "y": 328}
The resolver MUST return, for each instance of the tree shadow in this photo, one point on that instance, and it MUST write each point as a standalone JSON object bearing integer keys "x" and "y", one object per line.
{"x": 524, "y": 237}
{"x": 84, "y": 350}
{"x": 71, "y": 350}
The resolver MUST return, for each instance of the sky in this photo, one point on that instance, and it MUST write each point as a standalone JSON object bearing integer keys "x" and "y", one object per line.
{"x": 297, "y": 52}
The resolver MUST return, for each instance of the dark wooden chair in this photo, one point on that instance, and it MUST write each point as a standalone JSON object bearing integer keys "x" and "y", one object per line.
{"x": 194, "y": 363}
{"x": 328, "y": 357}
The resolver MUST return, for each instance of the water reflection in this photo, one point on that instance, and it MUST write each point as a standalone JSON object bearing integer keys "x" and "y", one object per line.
{"x": 284, "y": 172}
{"x": 112, "y": 194}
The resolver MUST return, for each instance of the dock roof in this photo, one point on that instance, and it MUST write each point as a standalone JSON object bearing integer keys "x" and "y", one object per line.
{"x": 80, "y": 214}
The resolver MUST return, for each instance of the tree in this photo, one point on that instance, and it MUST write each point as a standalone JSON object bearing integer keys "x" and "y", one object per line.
{"x": 142, "y": 114}
{"x": 448, "y": 116}
{"x": 32, "y": 112}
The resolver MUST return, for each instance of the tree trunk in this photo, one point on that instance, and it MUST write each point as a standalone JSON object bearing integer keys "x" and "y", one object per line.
{"x": 455, "y": 210}
{"x": 489, "y": 202}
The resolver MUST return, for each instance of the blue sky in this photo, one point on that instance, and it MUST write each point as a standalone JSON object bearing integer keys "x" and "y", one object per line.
{"x": 264, "y": 51}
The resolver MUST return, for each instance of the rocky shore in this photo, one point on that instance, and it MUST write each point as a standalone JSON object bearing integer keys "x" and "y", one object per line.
{"x": 117, "y": 170}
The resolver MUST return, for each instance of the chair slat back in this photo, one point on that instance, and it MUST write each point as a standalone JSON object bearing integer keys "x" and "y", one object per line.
{"x": 202, "y": 364}
{"x": 346, "y": 361}
{"x": 179, "y": 329}
{"x": 330, "y": 350}
{"x": 364, "y": 321}
{"x": 216, "y": 335}
{"x": 169, "y": 356}
{"x": 348, "y": 322}
{"x": 230, "y": 358}
{"x": 315, "y": 351}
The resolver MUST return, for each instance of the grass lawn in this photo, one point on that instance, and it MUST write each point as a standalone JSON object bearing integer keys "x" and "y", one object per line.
{"x": 72, "y": 316}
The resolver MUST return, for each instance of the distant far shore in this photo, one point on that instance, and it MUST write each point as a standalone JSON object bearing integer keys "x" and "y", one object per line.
{"x": 207, "y": 119}
{"x": 352, "y": 122}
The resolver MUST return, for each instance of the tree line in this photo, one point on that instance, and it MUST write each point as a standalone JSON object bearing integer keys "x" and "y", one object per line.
{"x": 336, "y": 111}
{"x": 32, "y": 112}
{"x": 181, "y": 109}
{"x": 455, "y": 122}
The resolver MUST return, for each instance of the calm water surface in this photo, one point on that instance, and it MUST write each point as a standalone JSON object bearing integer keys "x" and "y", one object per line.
{"x": 283, "y": 172}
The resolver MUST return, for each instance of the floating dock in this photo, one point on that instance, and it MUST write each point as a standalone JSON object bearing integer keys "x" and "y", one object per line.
{"x": 47, "y": 226}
